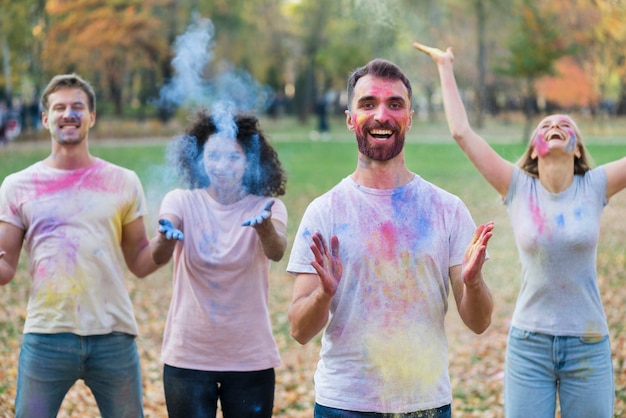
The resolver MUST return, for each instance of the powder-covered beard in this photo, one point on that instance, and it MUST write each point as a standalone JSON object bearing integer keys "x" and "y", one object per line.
{"x": 380, "y": 152}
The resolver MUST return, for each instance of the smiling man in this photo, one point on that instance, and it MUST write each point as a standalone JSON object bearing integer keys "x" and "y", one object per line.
{"x": 374, "y": 260}
{"x": 79, "y": 219}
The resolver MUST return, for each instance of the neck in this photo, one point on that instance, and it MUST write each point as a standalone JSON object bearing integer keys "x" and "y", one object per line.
{"x": 557, "y": 175}
{"x": 389, "y": 174}
{"x": 69, "y": 157}
{"x": 226, "y": 196}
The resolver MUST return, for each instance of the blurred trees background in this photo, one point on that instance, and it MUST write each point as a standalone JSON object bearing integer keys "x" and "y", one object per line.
{"x": 523, "y": 56}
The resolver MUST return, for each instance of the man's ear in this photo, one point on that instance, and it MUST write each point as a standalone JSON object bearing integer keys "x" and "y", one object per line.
{"x": 349, "y": 121}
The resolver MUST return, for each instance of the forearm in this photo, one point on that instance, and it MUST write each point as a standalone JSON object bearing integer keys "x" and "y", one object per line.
{"x": 161, "y": 249}
{"x": 142, "y": 264}
{"x": 476, "y": 305}
{"x": 456, "y": 114}
{"x": 309, "y": 315}
{"x": 6, "y": 271}
{"x": 274, "y": 242}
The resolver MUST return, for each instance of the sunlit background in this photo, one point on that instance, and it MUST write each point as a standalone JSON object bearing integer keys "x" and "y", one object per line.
{"x": 520, "y": 56}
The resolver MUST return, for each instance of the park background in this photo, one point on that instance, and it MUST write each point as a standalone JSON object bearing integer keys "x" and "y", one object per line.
{"x": 515, "y": 61}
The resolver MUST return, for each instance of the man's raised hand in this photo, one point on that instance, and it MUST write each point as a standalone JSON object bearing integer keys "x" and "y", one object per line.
{"x": 327, "y": 263}
{"x": 475, "y": 253}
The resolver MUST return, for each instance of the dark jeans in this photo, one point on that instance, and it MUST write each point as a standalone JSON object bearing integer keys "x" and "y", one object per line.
{"x": 194, "y": 393}
{"x": 326, "y": 412}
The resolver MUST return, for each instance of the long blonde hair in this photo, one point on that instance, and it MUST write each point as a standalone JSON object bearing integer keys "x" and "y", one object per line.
{"x": 582, "y": 164}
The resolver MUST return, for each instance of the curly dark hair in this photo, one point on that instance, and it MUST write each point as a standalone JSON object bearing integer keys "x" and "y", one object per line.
{"x": 263, "y": 176}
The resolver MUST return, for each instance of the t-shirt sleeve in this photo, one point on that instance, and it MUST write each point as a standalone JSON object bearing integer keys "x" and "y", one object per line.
{"x": 137, "y": 199}
{"x": 598, "y": 180}
{"x": 301, "y": 255}
{"x": 279, "y": 211}
{"x": 171, "y": 203}
{"x": 8, "y": 209}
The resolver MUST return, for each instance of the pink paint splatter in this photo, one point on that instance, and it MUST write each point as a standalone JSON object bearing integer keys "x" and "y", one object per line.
{"x": 571, "y": 145}
{"x": 541, "y": 146}
{"x": 538, "y": 218}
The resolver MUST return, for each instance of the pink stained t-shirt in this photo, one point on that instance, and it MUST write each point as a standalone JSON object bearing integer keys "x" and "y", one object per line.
{"x": 218, "y": 318}
{"x": 73, "y": 221}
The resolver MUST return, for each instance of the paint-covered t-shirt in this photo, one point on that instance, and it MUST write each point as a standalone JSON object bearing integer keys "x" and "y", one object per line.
{"x": 219, "y": 318}
{"x": 73, "y": 223}
{"x": 385, "y": 348}
{"x": 557, "y": 240}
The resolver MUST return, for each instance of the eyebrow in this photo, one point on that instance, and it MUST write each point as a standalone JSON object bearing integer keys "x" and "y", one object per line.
{"x": 374, "y": 98}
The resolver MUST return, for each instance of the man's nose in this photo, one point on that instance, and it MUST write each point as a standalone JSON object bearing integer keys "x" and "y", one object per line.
{"x": 381, "y": 114}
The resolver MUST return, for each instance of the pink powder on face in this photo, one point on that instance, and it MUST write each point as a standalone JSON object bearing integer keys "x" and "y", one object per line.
{"x": 571, "y": 145}
{"x": 541, "y": 146}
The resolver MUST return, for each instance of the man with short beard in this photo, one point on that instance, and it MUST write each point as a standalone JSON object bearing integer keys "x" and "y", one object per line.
{"x": 374, "y": 260}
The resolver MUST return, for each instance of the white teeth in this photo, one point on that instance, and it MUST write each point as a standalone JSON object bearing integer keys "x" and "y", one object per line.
{"x": 380, "y": 132}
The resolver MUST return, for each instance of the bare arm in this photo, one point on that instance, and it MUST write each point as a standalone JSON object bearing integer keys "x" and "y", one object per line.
{"x": 615, "y": 177}
{"x": 313, "y": 293}
{"x": 310, "y": 307}
{"x": 136, "y": 249}
{"x": 473, "y": 298}
{"x": 162, "y": 245}
{"x": 495, "y": 169}
{"x": 11, "y": 239}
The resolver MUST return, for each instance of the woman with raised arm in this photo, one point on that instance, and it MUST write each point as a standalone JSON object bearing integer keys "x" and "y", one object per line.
{"x": 558, "y": 345}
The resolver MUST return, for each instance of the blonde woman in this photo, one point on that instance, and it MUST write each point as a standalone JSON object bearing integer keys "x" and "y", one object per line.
{"x": 558, "y": 345}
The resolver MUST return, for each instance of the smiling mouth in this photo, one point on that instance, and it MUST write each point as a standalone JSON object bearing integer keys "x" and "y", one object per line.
{"x": 69, "y": 123}
{"x": 554, "y": 135}
{"x": 381, "y": 134}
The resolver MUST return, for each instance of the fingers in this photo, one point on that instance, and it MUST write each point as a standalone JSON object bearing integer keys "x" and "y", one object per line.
{"x": 334, "y": 246}
{"x": 265, "y": 214}
{"x": 436, "y": 54}
{"x": 425, "y": 49}
{"x": 485, "y": 233}
{"x": 167, "y": 228}
{"x": 268, "y": 205}
{"x": 319, "y": 242}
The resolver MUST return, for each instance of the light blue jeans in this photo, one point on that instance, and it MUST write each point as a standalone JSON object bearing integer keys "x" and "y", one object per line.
{"x": 50, "y": 364}
{"x": 540, "y": 366}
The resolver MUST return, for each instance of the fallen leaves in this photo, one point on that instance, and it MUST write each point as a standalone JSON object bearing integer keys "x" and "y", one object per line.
{"x": 476, "y": 361}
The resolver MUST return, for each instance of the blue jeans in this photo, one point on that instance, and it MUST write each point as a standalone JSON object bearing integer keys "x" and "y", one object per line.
{"x": 326, "y": 412}
{"x": 540, "y": 366}
{"x": 50, "y": 364}
{"x": 194, "y": 393}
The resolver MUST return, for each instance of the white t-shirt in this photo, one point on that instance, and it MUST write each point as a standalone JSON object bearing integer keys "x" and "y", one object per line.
{"x": 385, "y": 346}
{"x": 219, "y": 318}
{"x": 557, "y": 239}
{"x": 73, "y": 230}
